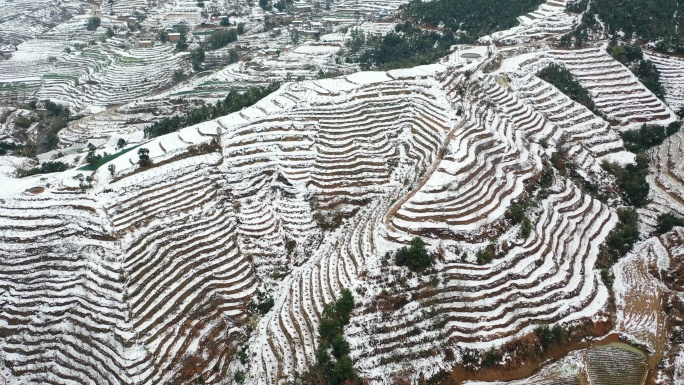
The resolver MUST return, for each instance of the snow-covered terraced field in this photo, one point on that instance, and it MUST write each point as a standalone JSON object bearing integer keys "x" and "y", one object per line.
{"x": 671, "y": 71}
{"x": 614, "y": 89}
{"x": 550, "y": 20}
{"x": 147, "y": 277}
{"x": 543, "y": 279}
{"x": 666, "y": 181}
{"x": 99, "y": 75}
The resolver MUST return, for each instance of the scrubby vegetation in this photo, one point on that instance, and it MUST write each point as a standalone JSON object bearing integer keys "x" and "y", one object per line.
{"x": 559, "y": 76}
{"x": 45, "y": 168}
{"x": 654, "y": 20}
{"x": 263, "y": 303}
{"x": 631, "y": 179}
{"x": 621, "y": 240}
{"x": 333, "y": 365}
{"x": 473, "y": 17}
{"x": 99, "y": 160}
{"x": 415, "y": 257}
{"x": 93, "y": 23}
{"x": 549, "y": 336}
{"x": 407, "y": 47}
{"x": 648, "y": 136}
{"x": 222, "y": 37}
{"x": 667, "y": 222}
{"x": 580, "y": 35}
{"x": 461, "y": 21}
{"x": 235, "y": 101}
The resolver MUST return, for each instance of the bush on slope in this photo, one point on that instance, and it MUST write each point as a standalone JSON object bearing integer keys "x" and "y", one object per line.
{"x": 333, "y": 364}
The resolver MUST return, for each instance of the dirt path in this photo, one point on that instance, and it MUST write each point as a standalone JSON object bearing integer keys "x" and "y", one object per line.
{"x": 440, "y": 156}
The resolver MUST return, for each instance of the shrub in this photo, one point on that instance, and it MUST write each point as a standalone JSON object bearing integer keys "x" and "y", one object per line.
{"x": 93, "y": 23}
{"x": 333, "y": 365}
{"x": 264, "y": 303}
{"x": 416, "y": 257}
{"x": 486, "y": 255}
{"x": 22, "y": 121}
{"x": 666, "y": 222}
{"x": 620, "y": 240}
{"x": 526, "y": 227}
{"x": 144, "y": 157}
{"x": 233, "y": 102}
{"x": 549, "y": 336}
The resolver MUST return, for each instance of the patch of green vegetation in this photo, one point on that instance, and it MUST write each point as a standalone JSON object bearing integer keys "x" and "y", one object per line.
{"x": 486, "y": 255}
{"x": 264, "y": 302}
{"x": 411, "y": 47}
{"x": 648, "y": 136}
{"x": 442, "y": 23}
{"x": 105, "y": 159}
{"x": 631, "y": 179}
{"x": 667, "y": 222}
{"x": 233, "y": 102}
{"x": 620, "y": 240}
{"x": 654, "y": 20}
{"x": 475, "y": 18}
{"x": 559, "y": 76}
{"x": 45, "y": 168}
{"x": 415, "y": 257}
{"x": 333, "y": 365}
{"x": 549, "y": 336}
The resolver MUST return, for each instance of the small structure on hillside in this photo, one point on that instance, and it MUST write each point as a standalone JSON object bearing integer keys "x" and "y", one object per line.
{"x": 144, "y": 41}
{"x": 302, "y": 7}
{"x": 174, "y": 37}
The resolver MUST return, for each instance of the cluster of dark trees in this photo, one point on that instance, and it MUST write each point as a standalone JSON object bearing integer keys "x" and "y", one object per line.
{"x": 619, "y": 242}
{"x": 561, "y": 78}
{"x": 475, "y": 18}
{"x": 549, "y": 336}
{"x": 93, "y": 23}
{"x": 222, "y": 37}
{"x": 516, "y": 215}
{"x": 45, "y": 168}
{"x": 416, "y": 257}
{"x": 407, "y": 47}
{"x": 648, "y": 136}
{"x": 631, "y": 179}
{"x": 666, "y": 222}
{"x": 654, "y": 20}
{"x": 50, "y": 122}
{"x": 580, "y": 35}
{"x": 197, "y": 57}
{"x": 333, "y": 365}
{"x": 235, "y": 101}
{"x": 463, "y": 22}
{"x": 264, "y": 302}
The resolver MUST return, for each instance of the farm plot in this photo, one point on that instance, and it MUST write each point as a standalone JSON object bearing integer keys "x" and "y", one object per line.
{"x": 671, "y": 71}
{"x": 548, "y": 21}
{"x": 614, "y": 89}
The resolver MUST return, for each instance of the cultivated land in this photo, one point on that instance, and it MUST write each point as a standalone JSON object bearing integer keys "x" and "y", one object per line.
{"x": 150, "y": 272}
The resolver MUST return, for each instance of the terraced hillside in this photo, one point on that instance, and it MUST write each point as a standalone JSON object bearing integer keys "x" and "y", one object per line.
{"x": 213, "y": 261}
{"x": 302, "y": 194}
